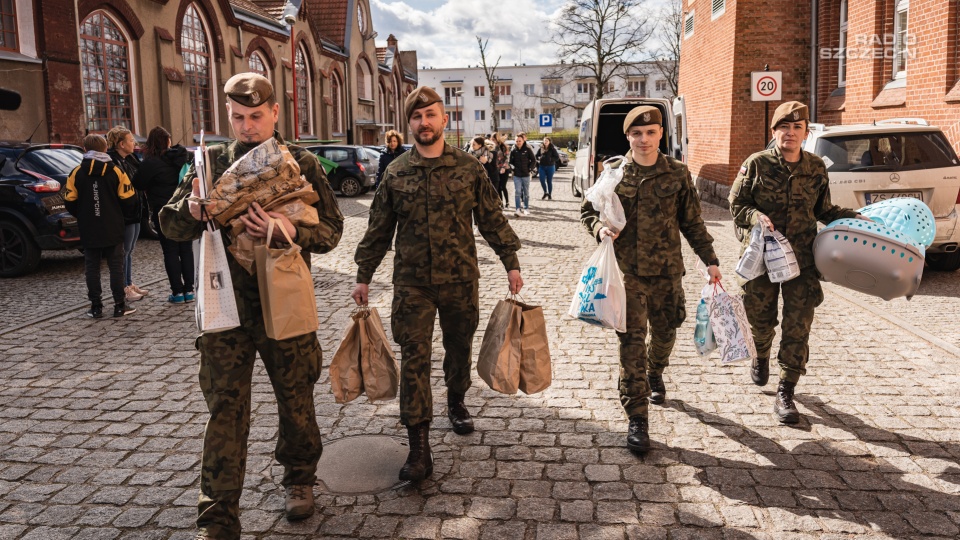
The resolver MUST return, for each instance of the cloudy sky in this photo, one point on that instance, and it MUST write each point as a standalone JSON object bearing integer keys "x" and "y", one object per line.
{"x": 443, "y": 32}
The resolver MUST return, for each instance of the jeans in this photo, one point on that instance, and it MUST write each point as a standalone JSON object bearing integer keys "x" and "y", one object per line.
{"x": 91, "y": 264}
{"x": 130, "y": 234}
{"x": 178, "y": 262}
{"x": 521, "y": 189}
{"x": 546, "y": 178}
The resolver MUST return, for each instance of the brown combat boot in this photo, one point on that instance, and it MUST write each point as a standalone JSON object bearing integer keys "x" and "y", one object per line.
{"x": 299, "y": 502}
{"x": 458, "y": 414}
{"x": 419, "y": 463}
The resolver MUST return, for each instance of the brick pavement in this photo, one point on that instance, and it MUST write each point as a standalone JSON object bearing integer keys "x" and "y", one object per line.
{"x": 100, "y": 425}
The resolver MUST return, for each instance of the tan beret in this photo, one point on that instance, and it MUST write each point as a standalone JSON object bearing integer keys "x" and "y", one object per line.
{"x": 423, "y": 96}
{"x": 248, "y": 89}
{"x": 790, "y": 111}
{"x": 643, "y": 115}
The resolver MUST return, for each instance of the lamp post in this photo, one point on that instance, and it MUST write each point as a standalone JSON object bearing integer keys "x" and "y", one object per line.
{"x": 290, "y": 18}
{"x": 459, "y": 115}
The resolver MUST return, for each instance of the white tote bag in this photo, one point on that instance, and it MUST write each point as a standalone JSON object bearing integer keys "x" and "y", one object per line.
{"x": 731, "y": 328}
{"x": 216, "y": 305}
{"x": 601, "y": 297}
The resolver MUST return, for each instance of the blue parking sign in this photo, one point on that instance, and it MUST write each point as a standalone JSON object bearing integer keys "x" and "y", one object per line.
{"x": 546, "y": 120}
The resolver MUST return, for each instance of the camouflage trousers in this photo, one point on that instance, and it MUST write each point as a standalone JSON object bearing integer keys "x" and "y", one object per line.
{"x": 226, "y": 369}
{"x": 801, "y": 296}
{"x": 415, "y": 309}
{"x": 657, "y": 301}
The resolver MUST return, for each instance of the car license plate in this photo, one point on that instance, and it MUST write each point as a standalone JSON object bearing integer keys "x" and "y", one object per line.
{"x": 875, "y": 197}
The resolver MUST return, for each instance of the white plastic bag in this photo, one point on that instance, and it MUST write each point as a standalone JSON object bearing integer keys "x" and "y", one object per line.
{"x": 601, "y": 297}
{"x": 703, "y": 338}
{"x": 751, "y": 265}
{"x": 779, "y": 258}
{"x": 731, "y": 328}
{"x": 604, "y": 199}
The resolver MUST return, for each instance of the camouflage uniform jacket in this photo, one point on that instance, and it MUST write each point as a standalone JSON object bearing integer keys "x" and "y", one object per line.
{"x": 658, "y": 207}
{"x": 177, "y": 223}
{"x": 432, "y": 204}
{"x": 794, "y": 202}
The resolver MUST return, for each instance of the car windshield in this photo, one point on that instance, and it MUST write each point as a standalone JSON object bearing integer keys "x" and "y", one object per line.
{"x": 51, "y": 161}
{"x": 886, "y": 152}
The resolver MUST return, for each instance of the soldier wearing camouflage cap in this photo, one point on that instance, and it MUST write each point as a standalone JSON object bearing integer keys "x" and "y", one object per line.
{"x": 784, "y": 189}
{"x": 660, "y": 203}
{"x": 429, "y": 198}
{"x": 227, "y": 358}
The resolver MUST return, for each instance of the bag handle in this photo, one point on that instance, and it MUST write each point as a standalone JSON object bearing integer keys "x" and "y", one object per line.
{"x": 270, "y": 225}
{"x": 208, "y": 223}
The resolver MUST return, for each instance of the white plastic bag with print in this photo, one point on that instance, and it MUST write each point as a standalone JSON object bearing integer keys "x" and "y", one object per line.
{"x": 751, "y": 265}
{"x": 601, "y": 297}
{"x": 779, "y": 258}
{"x": 604, "y": 199}
{"x": 731, "y": 328}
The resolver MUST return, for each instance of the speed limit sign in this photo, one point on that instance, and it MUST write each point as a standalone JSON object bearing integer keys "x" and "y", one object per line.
{"x": 766, "y": 85}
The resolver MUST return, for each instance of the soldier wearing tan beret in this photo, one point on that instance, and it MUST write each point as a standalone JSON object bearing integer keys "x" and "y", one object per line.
{"x": 429, "y": 198}
{"x": 786, "y": 189}
{"x": 660, "y": 203}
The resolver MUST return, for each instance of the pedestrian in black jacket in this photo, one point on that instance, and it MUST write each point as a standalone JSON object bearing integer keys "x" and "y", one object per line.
{"x": 159, "y": 176}
{"x": 548, "y": 157}
{"x": 522, "y": 161}
{"x": 121, "y": 145}
{"x": 394, "y": 142}
{"x": 99, "y": 194}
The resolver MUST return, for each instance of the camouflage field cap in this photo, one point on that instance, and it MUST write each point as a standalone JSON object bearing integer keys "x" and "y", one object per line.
{"x": 248, "y": 89}
{"x": 423, "y": 96}
{"x": 644, "y": 115}
{"x": 790, "y": 111}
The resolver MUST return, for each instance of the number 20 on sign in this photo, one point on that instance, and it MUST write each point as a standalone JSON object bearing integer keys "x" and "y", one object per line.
{"x": 766, "y": 85}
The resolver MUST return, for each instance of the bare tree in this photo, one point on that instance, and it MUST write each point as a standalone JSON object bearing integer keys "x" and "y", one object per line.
{"x": 598, "y": 38}
{"x": 491, "y": 74}
{"x": 670, "y": 35}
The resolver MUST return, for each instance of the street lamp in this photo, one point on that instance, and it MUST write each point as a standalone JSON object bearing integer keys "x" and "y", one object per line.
{"x": 290, "y": 18}
{"x": 459, "y": 115}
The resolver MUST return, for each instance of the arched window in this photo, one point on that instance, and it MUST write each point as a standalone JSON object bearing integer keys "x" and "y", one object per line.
{"x": 198, "y": 67}
{"x": 336, "y": 95}
{"x": 8, "y": 25}
{"x": 382, "y": 102}
{"x": 361, "y": 80}
{"x": 902, "y": 40}
{"x": 105, "y": 69}
{"x": 842, "y": 57}
{"x": 257, "y": 65}
{"x": 304, "y": 101}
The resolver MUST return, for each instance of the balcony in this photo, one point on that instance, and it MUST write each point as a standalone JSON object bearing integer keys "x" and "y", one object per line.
{"x": 636, "y": 93}
{"x": 453, "y": 103}
{"x": 504, "y": 125}
{"x": 454, "y": 125}
{"x": 504, "y": 101}
{"x": 549, "y": 99}
{"x": 583, "y": 98}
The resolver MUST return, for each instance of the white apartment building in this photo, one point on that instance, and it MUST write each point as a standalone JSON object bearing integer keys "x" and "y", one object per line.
{"x": 525, "y": 92}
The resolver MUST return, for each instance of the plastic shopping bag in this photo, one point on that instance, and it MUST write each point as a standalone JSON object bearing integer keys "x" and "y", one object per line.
{"x": 731, "y": 328}
{"x": 604, "y": 199}
{"x": 703, "y": 333}
{"x": 779, "y": 258}
{"x": 601, "y": 297}
{"x": 751, "y": 265}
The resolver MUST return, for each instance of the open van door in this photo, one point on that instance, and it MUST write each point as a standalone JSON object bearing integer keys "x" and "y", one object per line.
{"x": 680, "y": 128}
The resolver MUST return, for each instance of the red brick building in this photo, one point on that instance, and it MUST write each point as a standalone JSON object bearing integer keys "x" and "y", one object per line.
{"x": 871, "y": 60}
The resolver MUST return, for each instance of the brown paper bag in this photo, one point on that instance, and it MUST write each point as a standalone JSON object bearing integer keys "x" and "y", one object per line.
{"x": 346, "y": 380}
{"x": 499, "y": 361}
{"x": 378, "y": 366}
{"x": 286, "y": 289}
{"x": 535, "y": 371}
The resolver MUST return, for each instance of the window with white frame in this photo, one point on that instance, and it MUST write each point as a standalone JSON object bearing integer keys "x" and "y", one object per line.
{"x": 637, "y": 88}
{"x": 456, "y": 116}
{"x": 529, "y": 113}
{"x": 586, "y": 88}
{"x": 901, "y": 39}
{"x": 257, "y": 65}
{"x": 479, "y": 91}
{"x": 717, "y": 8}
{"x": 503, "y": 90}
{"x": 480, "y": 115}
{"x": 529, "y": 89}
{"x": 505, "y": 114}
{"x": 551, "y": 88}
{"x": 842, "y": 49}
{"x": 661, "y": 85}
{"x": 688, "y": 25}
{"x": 450, "y": 95}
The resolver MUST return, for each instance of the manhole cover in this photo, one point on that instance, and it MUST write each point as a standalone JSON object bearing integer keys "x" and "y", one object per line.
{"x": 361, "y": 464}
{"x": 534, "y": 260}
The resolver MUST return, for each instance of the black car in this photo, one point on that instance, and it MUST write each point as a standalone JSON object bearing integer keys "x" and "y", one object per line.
{"x": 356, "y": 170}
{"x": 33, "y": 216}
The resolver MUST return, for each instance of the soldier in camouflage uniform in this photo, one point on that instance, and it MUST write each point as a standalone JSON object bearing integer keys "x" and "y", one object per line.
{"x": 430, "y": 196}
{"x": 227, "y": 358}
{"x": 660, "y": 202}
{"x": 786, "y": 189}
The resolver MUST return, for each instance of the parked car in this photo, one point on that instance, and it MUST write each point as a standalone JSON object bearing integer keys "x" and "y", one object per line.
{"x": 33, "y": 216}
{"x": 868, "y": 163}
{"x": 356, "y": 171}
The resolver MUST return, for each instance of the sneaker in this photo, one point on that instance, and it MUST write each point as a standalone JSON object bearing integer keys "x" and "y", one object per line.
{"x": 517, "y": 213}
{"x": 131, "y": 295}
{"x": 189, "y": 296}
{"x": 526, "y": 211}
{"x": 141, "y": 292}
{"x": 175, "y": 299}
{"x": 96, "y": 312}
{"x": 120, "y": 310}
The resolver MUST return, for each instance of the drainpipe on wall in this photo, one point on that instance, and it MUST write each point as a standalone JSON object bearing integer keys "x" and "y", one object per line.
{"x": 814, "y": 58}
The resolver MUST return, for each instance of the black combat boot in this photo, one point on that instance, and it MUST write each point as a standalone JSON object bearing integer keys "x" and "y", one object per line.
{"x": 658, "y": 392}
{"x": 458, "y": 414}
{"x": 783, "y": 407}
{"x": 638, "y": 436}
{"x": 419, "y": 463}
{"x": 760, "y": 371}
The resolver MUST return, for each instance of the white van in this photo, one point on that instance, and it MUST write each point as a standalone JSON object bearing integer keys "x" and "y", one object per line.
{"x": 601, "y": 136}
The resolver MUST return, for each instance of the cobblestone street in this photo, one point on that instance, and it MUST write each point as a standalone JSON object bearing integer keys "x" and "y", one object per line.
{"x": 101, "y": 421}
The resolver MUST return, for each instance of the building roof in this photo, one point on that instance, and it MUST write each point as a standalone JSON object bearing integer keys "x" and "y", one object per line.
{"x": 331, "y": 19}
{"x": 381, "y": 54}
{"x": 274, "y": 8}
{"x": 252, "y": 8}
